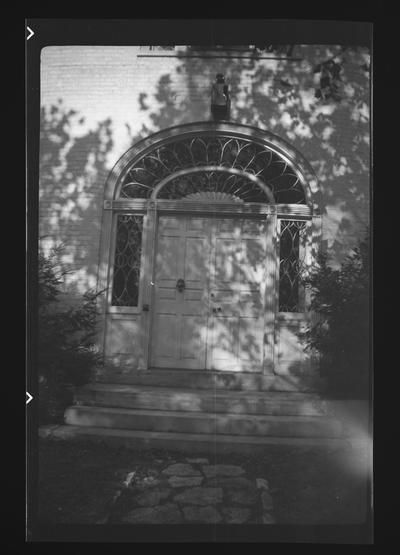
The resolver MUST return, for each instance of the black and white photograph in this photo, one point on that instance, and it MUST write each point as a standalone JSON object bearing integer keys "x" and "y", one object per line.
{"x": 200, "y": 364}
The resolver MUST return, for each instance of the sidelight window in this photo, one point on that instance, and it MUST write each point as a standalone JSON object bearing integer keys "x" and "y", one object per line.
{"x": 291, "y": 265}
{"x": 224, "y": 166}
{"x": 128, "y": 249}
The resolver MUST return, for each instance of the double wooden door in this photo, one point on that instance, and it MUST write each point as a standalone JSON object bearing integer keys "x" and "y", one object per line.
{"x": 212, "y": 277}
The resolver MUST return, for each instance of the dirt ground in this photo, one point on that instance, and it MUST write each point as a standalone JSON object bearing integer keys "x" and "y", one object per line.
{"x": 80, "y": 483}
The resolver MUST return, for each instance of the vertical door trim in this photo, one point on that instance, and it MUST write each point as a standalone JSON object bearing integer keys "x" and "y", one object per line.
{"x": 270, "y": 295}
{"x": 147, "y": 281}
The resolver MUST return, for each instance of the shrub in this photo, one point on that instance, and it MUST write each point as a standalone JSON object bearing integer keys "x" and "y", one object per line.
{"x": 66, "y": 353}
{"x": 341, "y": 335}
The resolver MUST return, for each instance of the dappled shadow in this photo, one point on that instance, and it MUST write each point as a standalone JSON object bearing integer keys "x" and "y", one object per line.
{"x": 73, "y": 170}
{"x": 275, "y": 94}
{"x": 217, "y": 321}
{"x": 279, "y": 95}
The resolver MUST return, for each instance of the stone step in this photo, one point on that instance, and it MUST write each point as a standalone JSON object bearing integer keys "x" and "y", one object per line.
{"x": 206, "y": 444}
{"x": 205, "y": 379}
{"x": 233, "y": 402}
{"x": 204, "y": 423}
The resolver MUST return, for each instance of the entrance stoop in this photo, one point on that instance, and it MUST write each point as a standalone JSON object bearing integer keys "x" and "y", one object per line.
{"x": 202, "y": 412}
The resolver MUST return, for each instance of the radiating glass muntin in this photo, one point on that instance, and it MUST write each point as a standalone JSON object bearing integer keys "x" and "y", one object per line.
{"x": 128, "y": 248}
{"x": 237, "y": 186}
{"x": 235, "y": 162}
{"x": 127, "y": 259}
{"x": 291, "y": 264}
{"x": 227, "y": 152}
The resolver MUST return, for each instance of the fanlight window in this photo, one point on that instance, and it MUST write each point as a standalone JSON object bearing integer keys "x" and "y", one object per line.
{"x": 212, "y": 167}
{"x": 242, "y": 155}
{"x": 222, "y": 183}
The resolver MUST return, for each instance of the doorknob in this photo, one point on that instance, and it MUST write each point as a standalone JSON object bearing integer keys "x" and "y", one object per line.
{"x": 180, "y": 285}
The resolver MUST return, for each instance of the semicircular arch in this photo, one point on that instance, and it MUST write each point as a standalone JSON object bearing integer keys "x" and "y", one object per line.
{"x": 272, "y": 164}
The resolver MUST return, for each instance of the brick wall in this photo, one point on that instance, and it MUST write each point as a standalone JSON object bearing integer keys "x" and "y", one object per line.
{"x": 99, "y": 101}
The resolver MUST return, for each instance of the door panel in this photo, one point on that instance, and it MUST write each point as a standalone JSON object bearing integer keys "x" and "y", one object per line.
{"x": 224, "y": 342}
{"x": 166, "y": 332}
{"x": 237, "y": 295}
{"x": 217, "y": 322}
{"x": 180, "y": 318}
{"x": 193, "y": 338}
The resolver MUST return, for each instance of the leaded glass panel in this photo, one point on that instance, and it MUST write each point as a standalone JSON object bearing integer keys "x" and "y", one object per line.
{"x": 126, "y": 273}
{"x": 223, "y": 151}
{"x": 291, "y": 264}
{"x": 234, "y": 185}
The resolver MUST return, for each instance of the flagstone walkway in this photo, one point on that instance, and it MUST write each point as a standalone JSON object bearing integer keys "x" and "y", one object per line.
{"x": 194, "y": 491}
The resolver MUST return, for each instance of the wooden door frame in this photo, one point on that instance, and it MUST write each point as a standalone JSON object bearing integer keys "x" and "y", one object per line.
{"x": 151, "y": 210}
{"x": 269, "y": 286}
{"x": 159, "y": 208}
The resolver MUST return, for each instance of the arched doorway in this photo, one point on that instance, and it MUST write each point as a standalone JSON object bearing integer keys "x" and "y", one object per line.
{"x": 206, "y": 230}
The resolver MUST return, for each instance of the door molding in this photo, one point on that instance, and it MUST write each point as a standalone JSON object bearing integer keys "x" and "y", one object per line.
{"x": 267, "y": 292}
{"x": 260, "y": 136}
{"x": 216, "y": 207}
{"x": 221, "y": 169}
{"x": 151, "y": 208}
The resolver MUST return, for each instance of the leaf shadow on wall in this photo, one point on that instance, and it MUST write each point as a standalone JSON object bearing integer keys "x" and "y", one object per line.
{"x": 73, "y": 170}
{"x": 280, "y": 96}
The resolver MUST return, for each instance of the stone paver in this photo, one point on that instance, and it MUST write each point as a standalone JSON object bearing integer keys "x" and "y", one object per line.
{"x": 208, "y": 514}
{"x": 268, "y": 519}
{"x": 184, "y": 481}
{"x": 261, "y": 483}
{"x": 181, "y": 469}
{"x": 200, "y": 496}
{"x": 146, "y": 482}
{"x": 266, "y": 501}
{"x": 163, "y": 514}
{"x": 243, "y": 496}
{"x": 197, "y": 461}
{"x": 236, "y": 515}
{"x": 236, "y": 482}
{"x": 203, "y": 493}
{"x": 222, "y": 470}
{"x": 152, "y": 497}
